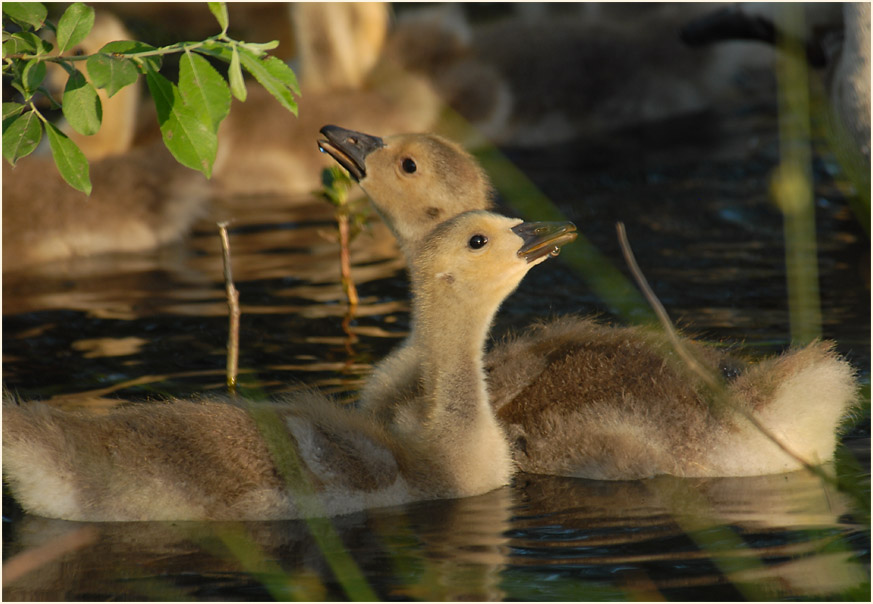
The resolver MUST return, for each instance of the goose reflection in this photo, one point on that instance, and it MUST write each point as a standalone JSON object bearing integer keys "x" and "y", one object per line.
{"x": 445, "y": 550}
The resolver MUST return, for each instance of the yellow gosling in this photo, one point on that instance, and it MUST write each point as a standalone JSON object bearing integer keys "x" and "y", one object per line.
{"x": 578, "y": 398}
{"x": 187, "y": 460}
{"x": 140, "y": 200}
{"x": 265, "y": 149}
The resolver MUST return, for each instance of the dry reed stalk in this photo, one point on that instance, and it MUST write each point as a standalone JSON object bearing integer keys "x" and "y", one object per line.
{"x": 342, "y": 222}
{"x": 34, "y": 558}
{"x": 712, "y": 381}
{"x": 233, "y": 311}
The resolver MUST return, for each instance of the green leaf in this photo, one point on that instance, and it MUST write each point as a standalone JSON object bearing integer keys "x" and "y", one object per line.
{"x": 131, "y": 49}
{"x": 21, "y": 136}
{"x": 264, "y": 73}
{"x": 82, "y": 106}
{"x": 74, "y": 25}
{"x": 237, "y": 83}
{"x": 26, "y": 13}
{"x": 190, "y": 141}
{"x": 22, "y": 42}
{"x": 336, "y": 184}
{"x": 32, "y": 76}
{"x": 71, "y": 162}
{"x": 11, "y": 110}
{"x": 219, "y": 10}
{"x": 25, "y": 43}
{"x": 279, "y": 70}
{"x": 203, "y": 89}
{"x": 111, "y": 73}
{"x": 259, "y": 48}
{"x": 17, "y": 85}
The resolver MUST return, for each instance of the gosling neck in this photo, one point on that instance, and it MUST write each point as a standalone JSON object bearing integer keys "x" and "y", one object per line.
{"x": 451, "y": 331}
{"x": 468, "y": 446}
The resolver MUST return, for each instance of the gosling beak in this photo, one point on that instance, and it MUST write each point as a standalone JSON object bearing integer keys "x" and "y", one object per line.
{"x": 349, "y": 148}
{"x": 543, "y": 238}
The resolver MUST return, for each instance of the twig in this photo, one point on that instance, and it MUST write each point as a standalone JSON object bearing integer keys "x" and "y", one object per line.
{"x": 233, "y": 308}
{"x": 711, "y": 381}
{"x": 342, "y": 220}
{"x": 336, "y": 185}
{"x": 32, "y": 559}
{"x": 346, "y": 262}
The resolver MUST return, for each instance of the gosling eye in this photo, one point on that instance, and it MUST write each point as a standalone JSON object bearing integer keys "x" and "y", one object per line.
{"x": 409, "y": 165}
{"x": 477, "y": 242}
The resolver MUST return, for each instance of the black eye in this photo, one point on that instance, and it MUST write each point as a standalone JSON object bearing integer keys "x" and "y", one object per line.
{"x": 409, "y": 165}
{"x": 478, "y": 241}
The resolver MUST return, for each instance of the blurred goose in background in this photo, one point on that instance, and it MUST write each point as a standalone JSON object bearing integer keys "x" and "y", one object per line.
{"x": 849, "y": 76}
{"x": 836, "y": 38}
{"x": 356, "y": 66}
{"x": 264, "y": 149}
{"x": 582, "y": 69}
{"x": 139, "y": 200}
{"x": 120, "y": 111}
{"x": 535, "y": 73}
{"x": 338, "y": 44}
{"x": 211, "y": 460}
{"x": 436, "y": 42}
{"x": 578, "y": 398}
{"x": 141, "y": 197}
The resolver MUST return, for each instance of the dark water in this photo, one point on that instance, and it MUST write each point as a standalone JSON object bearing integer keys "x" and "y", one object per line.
{"x": 145, "y": 327}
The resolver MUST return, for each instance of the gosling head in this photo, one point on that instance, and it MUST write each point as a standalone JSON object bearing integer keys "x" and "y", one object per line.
{"x": 481, "y": 256}
{"x": 416, "y": 181}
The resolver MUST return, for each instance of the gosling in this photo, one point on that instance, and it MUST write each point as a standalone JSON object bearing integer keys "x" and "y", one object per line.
{"x": 577, "y": 398}
{"x": 140, "y": 200}
{"x": 212, "y": 460}
{"x": 263, "y": 149}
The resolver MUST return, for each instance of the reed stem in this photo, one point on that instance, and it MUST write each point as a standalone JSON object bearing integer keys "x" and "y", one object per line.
{"x": 233, "y": 312}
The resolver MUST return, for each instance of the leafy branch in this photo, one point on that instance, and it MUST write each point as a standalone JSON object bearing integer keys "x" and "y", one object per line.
{"x": 189, "y": 112}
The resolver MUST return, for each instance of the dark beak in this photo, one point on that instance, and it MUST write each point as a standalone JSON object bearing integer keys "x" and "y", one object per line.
{"x": 543, "y": 238}
{"x": 349, "y": 148}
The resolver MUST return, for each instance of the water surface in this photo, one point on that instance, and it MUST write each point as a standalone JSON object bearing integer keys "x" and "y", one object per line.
{"x": 150, "y": 326}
